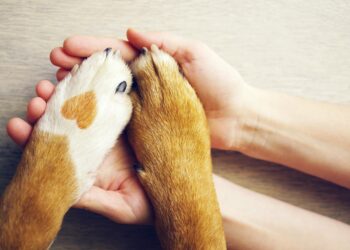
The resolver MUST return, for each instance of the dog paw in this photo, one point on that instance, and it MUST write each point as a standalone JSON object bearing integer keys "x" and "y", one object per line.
{"x": 168, "y": 118}
{"x": 159, "y": 79}
{"x": 90, "y": 107}
{"x": 170, "y": 137}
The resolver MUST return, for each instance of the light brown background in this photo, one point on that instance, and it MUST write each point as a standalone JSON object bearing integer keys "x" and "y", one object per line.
{"x": 298, "y": 47}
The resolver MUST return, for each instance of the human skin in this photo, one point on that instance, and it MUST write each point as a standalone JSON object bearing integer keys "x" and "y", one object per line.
{"x": 255, "y": 122}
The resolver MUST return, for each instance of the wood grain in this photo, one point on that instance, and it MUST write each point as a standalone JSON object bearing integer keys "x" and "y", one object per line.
{"x": 298, "y": 47}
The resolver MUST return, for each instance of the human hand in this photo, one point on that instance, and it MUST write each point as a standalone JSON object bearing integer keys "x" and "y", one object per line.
{"x": 117, "y": 193}
{"x": 219, "y": 86}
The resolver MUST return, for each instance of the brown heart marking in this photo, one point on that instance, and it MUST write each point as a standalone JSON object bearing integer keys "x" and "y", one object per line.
{"x": 81, "y": 108}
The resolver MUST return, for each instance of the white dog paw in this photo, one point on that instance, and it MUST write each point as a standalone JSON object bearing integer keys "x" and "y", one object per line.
{"x": 90, "y": 107}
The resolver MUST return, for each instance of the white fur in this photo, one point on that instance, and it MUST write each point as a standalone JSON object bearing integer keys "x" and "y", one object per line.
{"x": 88, "y": 147}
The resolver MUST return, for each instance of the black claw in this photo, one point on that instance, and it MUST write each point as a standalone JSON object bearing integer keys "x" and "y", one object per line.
{"x": 137, "y": 167}
{"x": 143, "y": 51}
{"x": 107, "y": 50}
{"x": 121, "y": 87}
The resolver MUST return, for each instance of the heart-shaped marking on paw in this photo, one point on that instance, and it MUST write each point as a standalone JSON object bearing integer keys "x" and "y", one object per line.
{"x": 81, "y": 108}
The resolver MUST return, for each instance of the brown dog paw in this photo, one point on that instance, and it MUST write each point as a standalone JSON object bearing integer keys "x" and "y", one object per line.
{"x": 169, "y": 134}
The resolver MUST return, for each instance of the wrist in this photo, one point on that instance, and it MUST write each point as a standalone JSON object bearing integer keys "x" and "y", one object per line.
{"x": 265, "y": 127}
{"x": 246, "y": 118}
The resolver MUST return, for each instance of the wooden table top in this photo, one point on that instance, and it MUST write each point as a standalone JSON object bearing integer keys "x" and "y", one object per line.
{"x": 297, "y": 47}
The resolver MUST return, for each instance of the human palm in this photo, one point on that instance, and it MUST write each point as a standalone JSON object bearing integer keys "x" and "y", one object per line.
{"x": 218, "y": 85}
{"x": 221, "y": 89}
{"x": 117, "y": 192}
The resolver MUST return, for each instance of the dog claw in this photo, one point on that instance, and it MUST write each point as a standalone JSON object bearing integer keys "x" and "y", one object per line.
{"x": 154, "y": 48}
{"x": 143, "y": 51}
{"x": 107, "y": 50}
{"x": 75, "y": 69}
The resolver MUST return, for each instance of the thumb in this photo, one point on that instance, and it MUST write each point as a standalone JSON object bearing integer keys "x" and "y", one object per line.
{"x": 176, "y": 46}
{"x": 110, "y": 204}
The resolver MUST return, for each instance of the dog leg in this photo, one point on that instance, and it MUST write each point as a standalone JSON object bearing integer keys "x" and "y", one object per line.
{"x": 81, "y": 124}
{"x": 170, "y": 137}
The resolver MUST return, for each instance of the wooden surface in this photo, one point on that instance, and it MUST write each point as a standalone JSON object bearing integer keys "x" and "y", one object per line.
{"x": 298, "y": 47}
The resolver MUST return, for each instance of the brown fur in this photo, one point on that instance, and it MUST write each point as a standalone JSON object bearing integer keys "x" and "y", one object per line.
{"x": 170, "y": 136}
{"x": 81, "y": 108}
{"x": 42, "y": 190}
